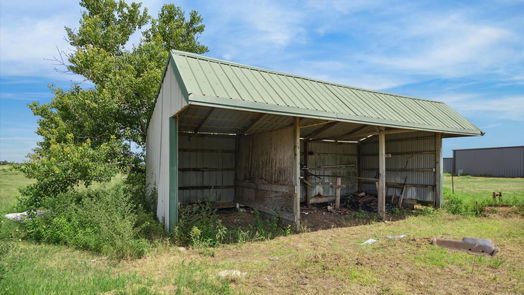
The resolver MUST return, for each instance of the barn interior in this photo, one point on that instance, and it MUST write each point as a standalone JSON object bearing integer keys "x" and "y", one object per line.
{"x": 277, "y": 164}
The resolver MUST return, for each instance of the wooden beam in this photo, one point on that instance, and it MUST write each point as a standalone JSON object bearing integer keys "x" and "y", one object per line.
{"x": 315, "y": 124}
{"x": 247, "y": 128}
{"x": 203, "y": 121}
{"x": 396, "y": 131}
{"x": 438, "y": 170}
{"x": 296, "y": 201}
{"x": 352, "y": 132}
{"x": 322, "y": 129}
{"x": 381, "y": 189}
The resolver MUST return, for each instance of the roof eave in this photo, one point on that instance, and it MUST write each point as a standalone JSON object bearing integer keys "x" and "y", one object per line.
{"x": 234, "y": 104}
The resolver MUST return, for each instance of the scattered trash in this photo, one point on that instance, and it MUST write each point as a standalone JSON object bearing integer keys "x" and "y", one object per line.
{"x": 182, "y": 249}
{"x": 231, "y": 274}
{"x": 470, "y": 245}
{"x": 22, "y": 216}
{"x": 369, "y": 242}
{"x": 98, "y": 259}
{"x": 274, "y": 258}
{"x": 331, "y": 209}
{"x": 396, "y": 237}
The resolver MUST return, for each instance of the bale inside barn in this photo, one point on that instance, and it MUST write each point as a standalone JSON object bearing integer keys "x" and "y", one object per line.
{"x": 230, "y": 133}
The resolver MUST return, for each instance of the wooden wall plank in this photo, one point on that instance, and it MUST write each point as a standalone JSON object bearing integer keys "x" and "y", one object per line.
{"x": 266, "y": 172}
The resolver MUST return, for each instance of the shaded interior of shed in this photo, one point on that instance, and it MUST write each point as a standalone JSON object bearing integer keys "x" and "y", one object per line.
{"x": 228, "y": 156}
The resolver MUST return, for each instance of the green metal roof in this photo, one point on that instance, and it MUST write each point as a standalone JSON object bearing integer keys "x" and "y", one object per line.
{"x": 217, "y": 83}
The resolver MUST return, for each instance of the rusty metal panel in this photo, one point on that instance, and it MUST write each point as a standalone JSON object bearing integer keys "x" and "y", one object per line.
{"x": 412, "y": 161}
{"x": 206, "y": 168}
{"x": 497, "y": 162}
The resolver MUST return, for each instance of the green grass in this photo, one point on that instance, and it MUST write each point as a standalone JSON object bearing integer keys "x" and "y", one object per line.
{"x": 322, "y": 262}
{"x": 478, "y": 189}
{"x": 10, "y": 181}
{"x": 47, "y": 269}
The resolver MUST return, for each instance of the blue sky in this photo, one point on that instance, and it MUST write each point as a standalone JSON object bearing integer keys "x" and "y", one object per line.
{"x": 469, "y": 54}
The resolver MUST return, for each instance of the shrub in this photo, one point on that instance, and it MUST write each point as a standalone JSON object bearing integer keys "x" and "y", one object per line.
{"x": 456, "y": 204}
{"x": 103, "y": 220}
{"x": 199, "y": 226}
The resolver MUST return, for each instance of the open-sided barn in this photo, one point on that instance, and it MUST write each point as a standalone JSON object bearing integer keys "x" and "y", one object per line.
{"x": 231, "y": 133}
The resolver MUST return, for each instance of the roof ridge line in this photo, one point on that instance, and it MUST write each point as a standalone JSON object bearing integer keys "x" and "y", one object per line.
{"x": 203, "y": 57}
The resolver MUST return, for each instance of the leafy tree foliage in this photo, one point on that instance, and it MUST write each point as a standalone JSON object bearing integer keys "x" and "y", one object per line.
{"x": 88, "y": 134}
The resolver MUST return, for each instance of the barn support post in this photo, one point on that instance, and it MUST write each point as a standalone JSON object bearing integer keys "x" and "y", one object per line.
{"x": 296, "y": 201}
{"x": 438, "y": 171}
{"x": 173, "y": 173}
{"x": 306, "y": 171}
{"x": 381, "y": 190}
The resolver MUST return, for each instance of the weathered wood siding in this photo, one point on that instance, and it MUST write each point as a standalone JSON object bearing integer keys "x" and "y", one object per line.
{"x": 266, "y": 171}
{"x": 206, "y": 169}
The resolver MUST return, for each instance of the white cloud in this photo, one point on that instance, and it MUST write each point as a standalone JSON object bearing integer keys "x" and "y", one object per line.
{"x": 245, "y": 29}
{"x": 499, "y": 108}
{"x": 449, "y": 46}
{"x": 27, "y": 46}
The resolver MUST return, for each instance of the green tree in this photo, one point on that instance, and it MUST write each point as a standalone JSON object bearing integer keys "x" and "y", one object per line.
{"x": 88, "y": 135}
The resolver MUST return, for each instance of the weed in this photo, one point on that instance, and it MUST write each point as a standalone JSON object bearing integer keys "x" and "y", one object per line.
{"x": 199, "y": 226}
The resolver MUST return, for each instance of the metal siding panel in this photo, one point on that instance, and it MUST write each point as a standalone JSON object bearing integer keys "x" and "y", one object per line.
{"x": 243, "y": 93}
{"x": 265, "y": 80}
{"x": 497, "y": 162}
{"x": 265, "y": 96}
{"x": 371, "y": 108}
{"x": 206, "y": 152}
{"x": 318, "y": 99}
{"x": 296, "y": 87}
{"x": 400, "y": 146}
{"x": 323, "y": 154}
{"x": 330, "y": 97}
{"x": 272, "y": 91}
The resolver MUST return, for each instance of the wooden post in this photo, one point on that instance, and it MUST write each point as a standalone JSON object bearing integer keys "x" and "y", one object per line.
{"x": 296, "y": 201}
{"x": 382, "y": 173}
{"x": 337, "y": 192}
{"x": 438, "y": 170}
{"x": 306, "y": 171}
{"x": 359, "y": 188}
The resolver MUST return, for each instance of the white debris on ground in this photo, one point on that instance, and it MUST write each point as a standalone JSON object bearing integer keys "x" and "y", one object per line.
{"x": 396, "y": 237}
{"x": 368, "y": 242}
{"x": 231, "y": 273}
{"x": 22, "y": 216}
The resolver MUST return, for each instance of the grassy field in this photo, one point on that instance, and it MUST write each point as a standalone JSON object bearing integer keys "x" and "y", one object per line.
{"x": 10, "y": 181}
{"x": 328, "y": 261}
{"x": 473, "y": 188}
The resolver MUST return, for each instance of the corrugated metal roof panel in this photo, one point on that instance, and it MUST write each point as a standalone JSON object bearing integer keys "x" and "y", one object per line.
{"x": 217, "y": 83}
